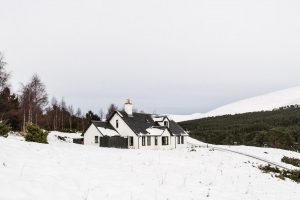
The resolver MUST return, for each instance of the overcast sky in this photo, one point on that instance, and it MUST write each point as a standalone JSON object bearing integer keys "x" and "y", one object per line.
{"x": 176, "y": 56}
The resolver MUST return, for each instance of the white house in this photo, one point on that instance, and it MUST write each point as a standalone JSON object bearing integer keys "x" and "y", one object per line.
{"x": 125, "y": 129}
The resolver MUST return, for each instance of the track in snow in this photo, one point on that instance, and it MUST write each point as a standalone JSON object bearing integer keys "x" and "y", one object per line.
{"x": 241, "y": 153}
{"x": 251, "y": 156}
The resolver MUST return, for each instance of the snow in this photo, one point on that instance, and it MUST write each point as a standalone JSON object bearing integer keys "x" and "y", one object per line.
{"x": 16, "y": 136}
{"x": 265, "y": 102}
{"x": 53, "y": 137}
{"x": 155, "y": 131}
{"x": 181, "y": 118}
{"x": 107, "y": 132}
{"x": 157, "y": 118}
{"x": 192, "y": 141}
{"x": 271, "y": 154}
{"x": 62, "y": 171}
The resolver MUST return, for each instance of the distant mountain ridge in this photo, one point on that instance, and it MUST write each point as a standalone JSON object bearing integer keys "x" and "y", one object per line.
{"x": 269, "y": 101}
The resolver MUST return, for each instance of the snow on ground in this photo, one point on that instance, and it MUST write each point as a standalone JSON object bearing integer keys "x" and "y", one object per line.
{"x": 69, "y": 171}
{"x": 265, "y": 102}
{"x": 194, "y": 142}
{"x": 53, "y": 137}
{"x": 271, "y": 154}
{"x": 15, "y": 136}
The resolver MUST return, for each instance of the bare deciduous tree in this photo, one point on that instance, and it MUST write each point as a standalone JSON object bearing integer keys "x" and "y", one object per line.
{"x": 63, "y": 107}
{"x": 55, "y": 111}
{"x": 4, "y": 76}
{"x": 39, "y": 95}
{"x": 101, "y": 114}
{"x": 111, "y": 109}
{"x": 71, "y": 113}
{"x": 79, "y": 116}
{"x": 33, "y": 99}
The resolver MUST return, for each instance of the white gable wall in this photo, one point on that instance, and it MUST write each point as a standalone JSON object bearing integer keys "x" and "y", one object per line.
{"x": 124, "y": 129}
{"x": 162, "y": 123}
{"x": 89, "y": 136}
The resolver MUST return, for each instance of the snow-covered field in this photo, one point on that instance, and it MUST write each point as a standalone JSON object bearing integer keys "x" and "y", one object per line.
{"x": 265, "y": 102}
{"x": 32, "y": 171}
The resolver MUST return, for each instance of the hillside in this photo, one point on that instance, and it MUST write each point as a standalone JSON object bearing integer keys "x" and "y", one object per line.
{"x": 265, "y": 102}
{"x": 64, "y": 171}
{"x": 278, "y": 128}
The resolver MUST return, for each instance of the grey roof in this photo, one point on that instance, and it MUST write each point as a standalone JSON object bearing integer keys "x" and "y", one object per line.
{"x": 140, "y": 122}
{"x": 175, "y": 129}
{"x": 103, "y": 125}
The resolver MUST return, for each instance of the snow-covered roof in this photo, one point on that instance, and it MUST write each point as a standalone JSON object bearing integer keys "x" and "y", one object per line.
{"x": 155, "y": 131}
{"x": 107, "y": 131}
{"x": 158, "y": 118}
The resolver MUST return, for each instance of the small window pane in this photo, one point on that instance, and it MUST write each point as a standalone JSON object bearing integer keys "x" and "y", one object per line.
{"x": 130, "y": 141}
{"x": 96, "y": 139}
{"x": 149, "y": 141}
{"x": 165, "y": 140}
{"x": 166, "y": 123}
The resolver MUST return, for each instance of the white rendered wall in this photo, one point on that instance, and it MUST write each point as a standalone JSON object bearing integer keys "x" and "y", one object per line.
{"x": 180, "y": 146}
{"x": 89, "y": 136}
{"x": 159, "y": 142}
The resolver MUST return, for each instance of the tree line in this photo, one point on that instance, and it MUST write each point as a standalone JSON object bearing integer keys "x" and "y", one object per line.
{"x": 279, "y": 128}
{"x": 32, "y": 106}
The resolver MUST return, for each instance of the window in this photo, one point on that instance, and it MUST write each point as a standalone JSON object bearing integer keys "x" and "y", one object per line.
{"x": 165, "y": 140}
{"x": 148, "y": 140}
{"x": 143, "y": 141}
{"x": 178, "y": 139}
{"x": 130, "y": 141}
{"x": 182, "y": 139}
{"x": 96, "y": 139}
{"x": 166, "y": 123}
{"x": 155, "y": 140}
{"x": 117, "y": 123}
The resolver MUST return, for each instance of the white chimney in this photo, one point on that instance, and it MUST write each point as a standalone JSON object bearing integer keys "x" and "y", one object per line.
{"x": 128, "y": 107}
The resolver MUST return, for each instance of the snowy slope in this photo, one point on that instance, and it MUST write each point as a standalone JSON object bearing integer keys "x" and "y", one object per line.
{"x": 181, "y": 118}
{"x": 265, "y": 102}
{"x": 62, "y": 171}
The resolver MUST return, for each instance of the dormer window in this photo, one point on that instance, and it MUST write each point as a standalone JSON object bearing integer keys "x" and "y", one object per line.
{"x": 117, "y": 123}
{"x": 166, "y": 124}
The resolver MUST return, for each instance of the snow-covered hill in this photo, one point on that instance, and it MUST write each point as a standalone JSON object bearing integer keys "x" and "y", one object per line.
{"x": 62, "y": 171}
{"x": 181, "y": 118}
{"x": 265, "y": 102}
